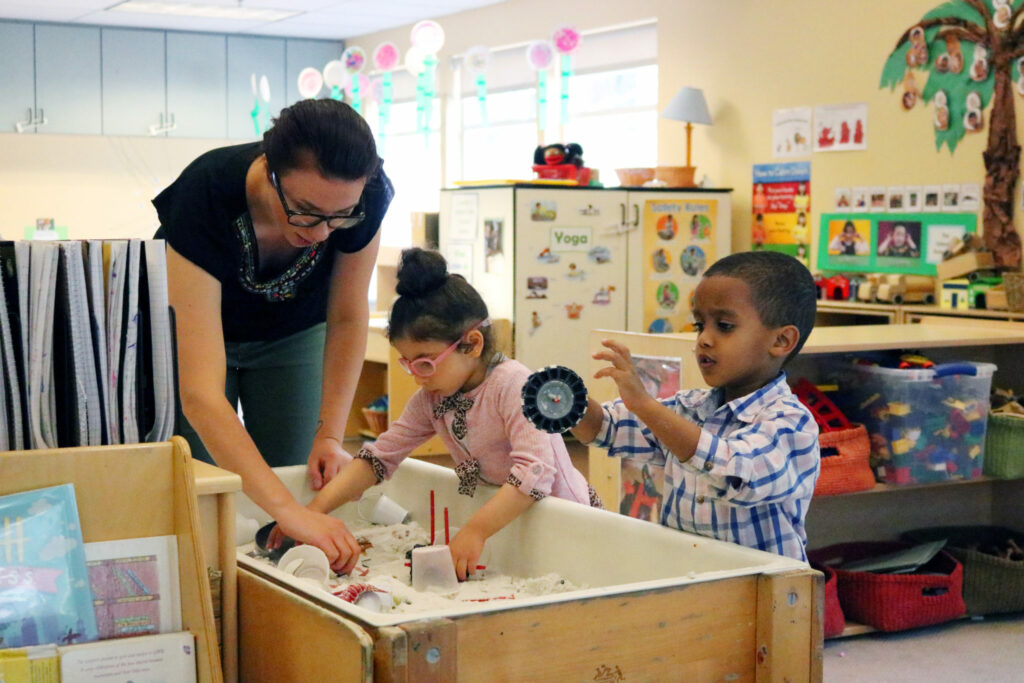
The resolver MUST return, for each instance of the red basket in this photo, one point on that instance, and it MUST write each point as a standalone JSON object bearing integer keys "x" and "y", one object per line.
{"x": 895, "y": 602}
{"x": 848, "y": 469}
{"x": 835, "y": 622}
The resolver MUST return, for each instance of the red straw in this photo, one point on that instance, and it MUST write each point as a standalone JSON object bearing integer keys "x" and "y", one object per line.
{"x": 446, "y": 526}
{"x": 431, "y": 517}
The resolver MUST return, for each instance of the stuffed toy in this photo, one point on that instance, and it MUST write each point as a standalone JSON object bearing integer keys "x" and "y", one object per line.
{"x": 553, "y": 155}
{"x": 564, "y": 162}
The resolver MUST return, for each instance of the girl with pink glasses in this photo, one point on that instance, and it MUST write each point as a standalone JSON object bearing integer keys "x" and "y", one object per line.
{"x": 470, "y": 395}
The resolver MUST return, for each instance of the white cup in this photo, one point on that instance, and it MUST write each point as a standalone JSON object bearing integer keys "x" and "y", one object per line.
{"x": 380, "y": 509}
{"x": 433, "y": 570}
{"x": 306, "y": 562}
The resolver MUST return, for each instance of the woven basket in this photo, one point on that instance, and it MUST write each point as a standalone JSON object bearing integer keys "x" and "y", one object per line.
{"x": 835, "y": 622}
{"x": 1004, "y": 446}
{"x": 376, "y": 419}
{"x": 1014, "y": 285}
{"x": 848, "y": 469}
{"x": 634, "y": 177}
{"x": 896, "y": 602}
{"x": 991, "y": 584}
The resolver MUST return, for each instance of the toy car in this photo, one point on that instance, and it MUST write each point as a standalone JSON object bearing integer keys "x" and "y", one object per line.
{"x": 899, "y": 289}
{"x": 867, "y": 289}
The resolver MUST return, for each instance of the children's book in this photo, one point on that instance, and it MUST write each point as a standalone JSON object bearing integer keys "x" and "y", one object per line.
{"x": 135, "y": 586}
{"x": 34, "y": 664}
{"x": 44, "y": 584}
{"x": 165, "y": 658}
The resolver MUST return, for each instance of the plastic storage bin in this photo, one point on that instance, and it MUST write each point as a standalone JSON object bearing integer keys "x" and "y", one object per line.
{"x": 992, "y": 584}
{"x": 925, "y": 425}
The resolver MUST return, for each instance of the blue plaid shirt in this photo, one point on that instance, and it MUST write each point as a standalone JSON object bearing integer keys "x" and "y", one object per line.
{"x": 752, "y": 476}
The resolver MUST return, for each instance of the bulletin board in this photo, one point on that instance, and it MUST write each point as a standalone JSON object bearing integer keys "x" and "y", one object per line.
{"x": 910, "y": 243}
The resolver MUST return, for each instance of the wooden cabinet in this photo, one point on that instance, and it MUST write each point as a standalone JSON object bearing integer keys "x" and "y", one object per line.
{"x": 134, "y": 91}
{"x": 68, "y": 79}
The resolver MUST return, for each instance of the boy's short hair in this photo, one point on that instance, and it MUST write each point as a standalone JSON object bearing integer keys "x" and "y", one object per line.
{"x": 782, "y": 288}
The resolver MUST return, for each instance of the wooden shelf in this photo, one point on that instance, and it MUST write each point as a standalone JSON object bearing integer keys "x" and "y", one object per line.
{"x": 893, "y": 488}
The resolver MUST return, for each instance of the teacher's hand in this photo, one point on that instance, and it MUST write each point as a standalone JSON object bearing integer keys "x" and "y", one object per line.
{"x": 325, "y": 461}
{"x": 325, "y": 532}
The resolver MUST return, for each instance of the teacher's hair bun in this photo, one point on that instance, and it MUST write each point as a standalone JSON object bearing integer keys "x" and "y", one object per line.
{"x": 421, "y": 272}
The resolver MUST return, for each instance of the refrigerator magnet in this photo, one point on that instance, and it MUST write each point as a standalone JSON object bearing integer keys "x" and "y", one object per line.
{"x": 544, "y": 211}
{"x": 603, "y": 296}
{"x": 575, "y": 273}
{"x": 535, "y": 322}
{"x": 573, "y": 310}
{"x": 536, "y": 287}
{"x": 600, "y": 254}
{"x": 590, "y": 210}
{"x": 548, "y": 256}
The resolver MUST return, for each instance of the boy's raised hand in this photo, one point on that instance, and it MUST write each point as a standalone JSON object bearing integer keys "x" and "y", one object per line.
{"x": 622, "y": 372}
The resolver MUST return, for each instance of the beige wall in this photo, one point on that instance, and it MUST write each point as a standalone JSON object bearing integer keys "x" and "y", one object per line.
{"x": 99, "y": 187}
{"x": 749, "y": 56}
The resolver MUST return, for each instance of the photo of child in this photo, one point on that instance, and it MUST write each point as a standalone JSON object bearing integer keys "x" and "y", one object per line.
{"x": 667, "y": 227}
{"x": 899, "y": 238}
{"x": 758, "y": 232}
{"x": 849, "y": 237}
{"x": 692, "y": 260}
{"x": 660, "y": 260}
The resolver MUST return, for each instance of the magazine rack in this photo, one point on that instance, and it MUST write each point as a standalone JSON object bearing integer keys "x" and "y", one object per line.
{"x": 132, "y": 492}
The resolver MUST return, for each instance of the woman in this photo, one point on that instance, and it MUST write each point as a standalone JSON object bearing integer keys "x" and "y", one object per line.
{"x": 270, "y": 249}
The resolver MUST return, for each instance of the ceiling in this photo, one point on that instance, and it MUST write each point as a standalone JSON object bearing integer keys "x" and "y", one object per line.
{"x": 327, "y": 19}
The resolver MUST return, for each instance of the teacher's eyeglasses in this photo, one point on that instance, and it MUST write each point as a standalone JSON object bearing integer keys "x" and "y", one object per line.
{"x": 307, "y": 219}
{"x": 425, "y": 367}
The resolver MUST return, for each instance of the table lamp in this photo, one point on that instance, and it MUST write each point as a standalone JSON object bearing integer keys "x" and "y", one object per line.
{"x": 688, "y": 105}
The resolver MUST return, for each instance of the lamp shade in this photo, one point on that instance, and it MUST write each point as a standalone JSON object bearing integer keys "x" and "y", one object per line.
{"x": 688, "y": 105}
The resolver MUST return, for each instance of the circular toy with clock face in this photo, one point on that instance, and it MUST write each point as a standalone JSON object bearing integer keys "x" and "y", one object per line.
{"x": 554, "y": 399}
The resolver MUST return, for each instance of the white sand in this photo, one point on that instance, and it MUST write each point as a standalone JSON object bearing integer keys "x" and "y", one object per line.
{"x": 383, "y": 567}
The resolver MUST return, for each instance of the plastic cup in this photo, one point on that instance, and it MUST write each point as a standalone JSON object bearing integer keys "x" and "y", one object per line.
{"x": 382, "y": 510}
{"x": 306, "y": 562}
{"x": 433, "y": 570}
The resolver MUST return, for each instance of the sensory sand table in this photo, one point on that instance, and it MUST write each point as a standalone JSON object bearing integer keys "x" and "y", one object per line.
{"x": 638, "y": 601}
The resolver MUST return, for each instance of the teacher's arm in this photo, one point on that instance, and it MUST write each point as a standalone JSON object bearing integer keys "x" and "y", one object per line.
{"x": 348, "y": 316}
{"x": 202, "y": 368}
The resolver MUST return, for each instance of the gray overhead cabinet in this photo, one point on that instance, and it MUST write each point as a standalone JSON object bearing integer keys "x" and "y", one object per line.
{"x": 60, "y": 78}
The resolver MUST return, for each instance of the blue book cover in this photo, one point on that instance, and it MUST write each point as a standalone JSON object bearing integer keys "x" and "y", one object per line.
{"x": 44, "y": 584}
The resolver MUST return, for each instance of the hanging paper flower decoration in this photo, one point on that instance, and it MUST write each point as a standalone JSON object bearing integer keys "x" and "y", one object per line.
{"x": 414, "y": 61}
{"x": 354, "y": 59}
{"x": 310, "y": 82}
{"x": 566, "y": 39}
{"x": 476, "y": 61}
{"x": 334, "y": 77}
{"x": 539, "y": 55}
{"x": 386, "y": 58}
{"x": 428, "y": 36}
{"x": 265, "y": 96}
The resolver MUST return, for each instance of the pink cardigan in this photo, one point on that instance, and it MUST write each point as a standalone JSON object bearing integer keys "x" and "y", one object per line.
{"x": 488, "y": 437}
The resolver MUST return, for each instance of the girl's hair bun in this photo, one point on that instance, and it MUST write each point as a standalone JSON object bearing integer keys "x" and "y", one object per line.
{"x": 421, "y": 272}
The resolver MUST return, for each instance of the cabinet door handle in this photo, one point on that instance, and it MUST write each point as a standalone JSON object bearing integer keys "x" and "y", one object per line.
{"x": 622, "y": 208}
{"x": 636, "y": 215}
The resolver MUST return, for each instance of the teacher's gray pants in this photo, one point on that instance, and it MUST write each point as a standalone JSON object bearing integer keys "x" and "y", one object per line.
{"x": 277, "y": 384}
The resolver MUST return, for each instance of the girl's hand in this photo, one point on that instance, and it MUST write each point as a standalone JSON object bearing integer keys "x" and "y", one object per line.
{"x": 325, "y": 461}
{"x": 325, "y": 532}
{"x": 631, "y": 389}
{"x": 465, "y": 549}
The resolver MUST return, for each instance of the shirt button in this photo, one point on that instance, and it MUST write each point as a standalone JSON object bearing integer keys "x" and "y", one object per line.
{"x": 708, "y": 466}
{"x": 700, "y": 500}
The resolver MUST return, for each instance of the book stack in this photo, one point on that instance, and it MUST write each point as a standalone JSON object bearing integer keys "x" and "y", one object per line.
{"x": 86, "y": 344}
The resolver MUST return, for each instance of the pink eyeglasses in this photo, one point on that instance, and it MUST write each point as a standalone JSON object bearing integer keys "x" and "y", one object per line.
{"x": 425, "y": 367}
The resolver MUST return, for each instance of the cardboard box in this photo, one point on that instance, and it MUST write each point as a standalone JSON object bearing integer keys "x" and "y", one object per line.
{"x": 963, "y": 264}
